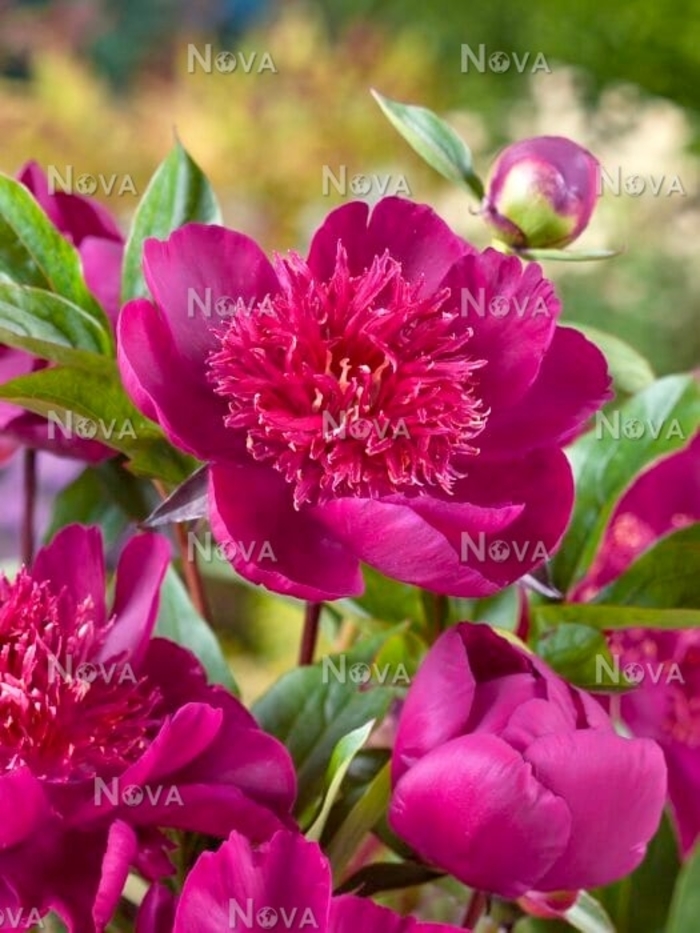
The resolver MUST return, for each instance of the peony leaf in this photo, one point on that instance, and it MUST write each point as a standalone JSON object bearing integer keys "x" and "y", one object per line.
{"x": 179, "y": 621}
{"x": 33, "y": 252}
{"x": 434, "y": 141}
{"x": 178, "y": 193}
{"x": 311, "y": 708}
{"x": 631, "y": 372}
{"x": 685, "y": 906}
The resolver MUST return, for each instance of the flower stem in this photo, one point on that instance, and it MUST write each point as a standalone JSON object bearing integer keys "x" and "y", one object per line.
{"x": 29, "y": 487}
{"x": 476, "y": 907}
{"x": 312, "y": 617}
{"x": 193, "y": 578}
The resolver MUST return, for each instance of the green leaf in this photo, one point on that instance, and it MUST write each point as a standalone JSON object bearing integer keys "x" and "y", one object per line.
{"x": 567, "y": 255}
{"x": 387, "y": 876}
{"x": 341, "y": 759}
{"x": 605, "y": 461}
{"x": 104, "y": 413}
{"x": 179, "y": 621}
{"x": 389, "y": 600}
{"x": 685, "y": 906}
{"x": 665, "y": 577}
{"x": 369, "y": 809}
{"x": 588, "y": 916}
{"x": 630, "y": 371}
{"x": 50, "y": 326}
{"x": 84, "y": 501}
{"x": 575, "y": 652}
{"x": 178, "y": 193}
{"x": 615, "y": 617}
{"x": 311, "y": 708}
{"x": 434, "y": 141}
{"x": 33, "y": 252}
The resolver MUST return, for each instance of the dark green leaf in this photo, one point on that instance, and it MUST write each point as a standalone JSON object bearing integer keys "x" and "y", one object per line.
{"x": 387, "y": 876}
{"x": 665, "y": 577}
{"x": 606, "y": 460}
{"x": 685, "y": 906}
{"x": 434, "y": 141}
{"x": 311, "y": 708}
{"x": 177, "y": 194}
{"x": 580, "y": 654}
{"x": 179, "y": 621}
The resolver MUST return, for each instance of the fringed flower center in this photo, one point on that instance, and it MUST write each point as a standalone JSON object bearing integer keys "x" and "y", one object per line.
{"x": 354, "y": 386}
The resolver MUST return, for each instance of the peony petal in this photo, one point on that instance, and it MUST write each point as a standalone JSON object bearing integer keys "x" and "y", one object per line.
{"x": 349, "y": 914}
{"x": 74, "y": 560}
{"x": 23, "y": 807}
{"x": 269, "y": 542}
{"x": 170, "y": 389}
{"x": 141, "y": 570}
{"x": 198, "y": 265}
{"x": 157, "y": 911}
{"x": 515, "y": 343}
{"x": 412, "y": 233}
{"x": 229, "y": 887}
{"x": 502, "y": 521}
{"x": 615, "y": 790}
{"x": 474, "y": 808}
{"x": 102, "y": 267}
{"x": 570, "y": 387}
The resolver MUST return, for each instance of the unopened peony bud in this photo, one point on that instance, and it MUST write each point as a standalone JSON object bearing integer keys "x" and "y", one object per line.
{"x": 541, "y": 192}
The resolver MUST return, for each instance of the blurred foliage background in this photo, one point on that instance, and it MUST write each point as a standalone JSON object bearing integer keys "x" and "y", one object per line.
{"x": 101, "y": 86}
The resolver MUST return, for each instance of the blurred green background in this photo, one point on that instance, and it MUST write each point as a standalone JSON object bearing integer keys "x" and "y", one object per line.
{"x": 101, "y": 86}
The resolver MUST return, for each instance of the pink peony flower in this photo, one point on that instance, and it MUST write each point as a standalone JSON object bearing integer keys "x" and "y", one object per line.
{"x": 90, "y": 228}
{"x": 541, "y": 192}
{"x": 665, "y": 705}
{"x": 370, "y": 403}
{"x": 512, "y": 780}
{"x": 285, "y": 884}
{"x": 107, "y": 736}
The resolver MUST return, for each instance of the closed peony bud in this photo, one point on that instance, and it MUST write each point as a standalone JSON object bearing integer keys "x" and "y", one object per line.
{"x": 541, "y": 192}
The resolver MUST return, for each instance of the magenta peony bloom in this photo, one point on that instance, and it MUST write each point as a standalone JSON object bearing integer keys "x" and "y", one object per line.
{"x": 511, "y": 779}
{"x": 89, "y": 227}
{"x": 107, "y": 736}
{"x": 285, "y": 884}
{"x": 541, "y": 192}
{"x": 665, "y": 705}
{"x": 371, "y": 403}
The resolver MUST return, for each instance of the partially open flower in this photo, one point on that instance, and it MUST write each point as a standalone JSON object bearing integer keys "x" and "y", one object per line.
{"x": 541, "y": 192}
